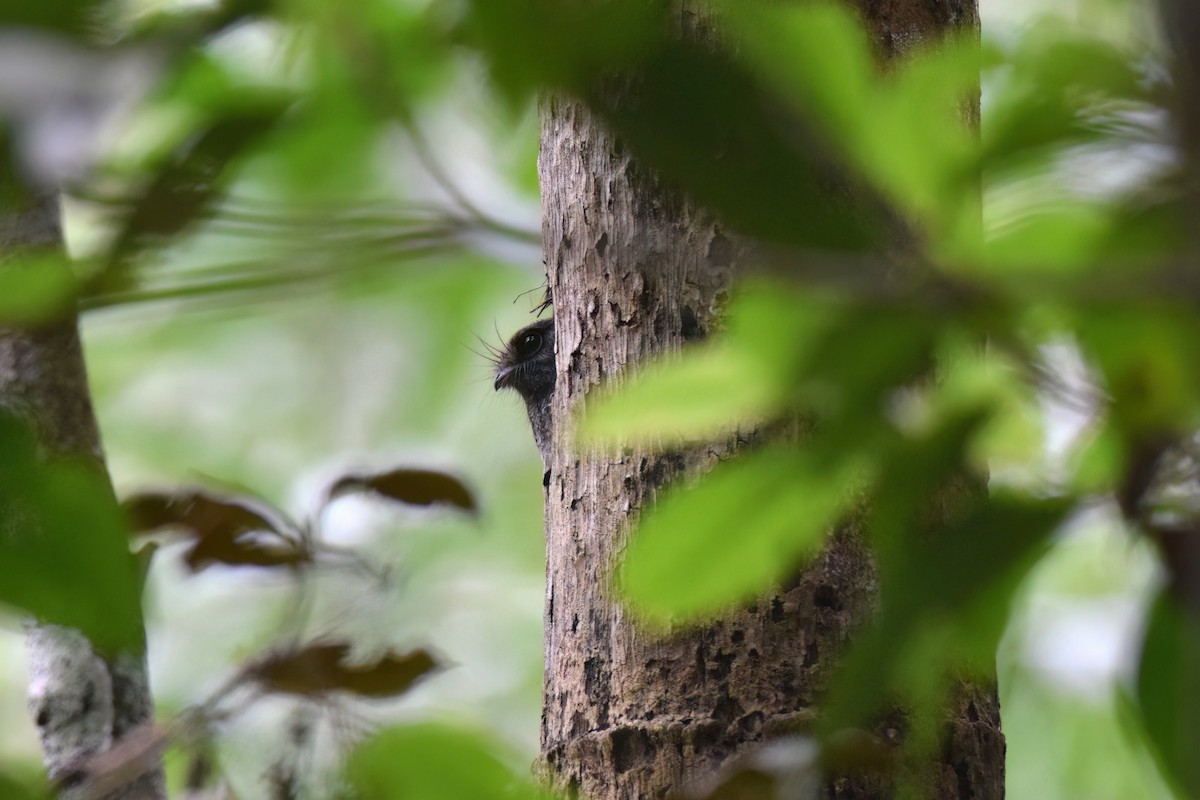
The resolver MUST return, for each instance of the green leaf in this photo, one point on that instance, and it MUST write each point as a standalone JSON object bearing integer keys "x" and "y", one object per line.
{"x": 708, "y": 392}
{"x": 971, "y": 378}
{"x": 433, "y": 762}
{"x": 945, "y": 592}
{"x": 1064, "y": 237}
{"x": 532, "y": 44}
{"x": 778, "y": 325}
{"x": 748, "y": 523}
{"x": 907, "y": 131}
{"x": 63, "y": 547}
{"x": 13, "y": 789}
{"x": 711, "y": 129}
{"x": 35, "y": 286}
{"x": 714, "y": 388}
{"x": 923, "y": 148}
{"x": 863, "y": 356}
{"x": 1168, "y": 691}
{"x": 816, "y": 57}
{"x": 77, "y": 17}
{"x": 1047, "y": 83}
{"x": 916, "y": 474}
{"x": 1097, "y": 464}
{"x": 187, "y": 186}
{"x": 1147, "y": 355}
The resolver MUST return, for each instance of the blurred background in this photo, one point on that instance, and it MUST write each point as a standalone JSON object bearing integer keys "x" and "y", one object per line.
{"x": 328, "y": 319}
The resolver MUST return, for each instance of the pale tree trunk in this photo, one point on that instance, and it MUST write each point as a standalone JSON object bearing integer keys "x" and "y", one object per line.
{"x": 635, "y": 271}
{"x": 81, "y": 702}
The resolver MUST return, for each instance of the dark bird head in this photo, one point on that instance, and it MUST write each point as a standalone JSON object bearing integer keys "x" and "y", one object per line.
{"x": 526, "y": 364}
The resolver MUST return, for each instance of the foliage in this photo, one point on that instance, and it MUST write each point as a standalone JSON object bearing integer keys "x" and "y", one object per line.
{"x": 913, "y": 375}
{"x": 429, "y": 761}
{"x": 87, "y": 583}
{"x": 242, "y": 532}
{"x": 906, "y": 399}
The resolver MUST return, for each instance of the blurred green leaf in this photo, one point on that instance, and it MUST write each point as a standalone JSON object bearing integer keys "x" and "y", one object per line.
{"x": 862, "y": 357}
{"x": 63, "y": 551}
{"x": 391, "y": 55}
{"x": 778, "y": 324}
{"x": 12, "y": 789}
{"x": 187, "y": 23}
{"x": 1168, "y": 691}
{"x": 922, "y": 145}
{"x": 749, "y": 522}
{"x": 908, "y": 131}
{"x": 709, "y": 391}
{"x": 917, "y": 474}
{"x": 816, "y": 56}
{"x": 708, "y": 126}
{"x": 1147, "y": 356}
{"x": 534, "y": 44}
{"x": 1097, "y": 465}
{"x": 188, "y": 184}
{"x": 35, "y": 286}
{"x": 1064, "y": 237}
{"x": 973, "y": 377}
{"x": 1046, "y": 86}
{"x": 945, "y": 596}
{"x": 1142, "y": 232}
{"x": 433, "y": 762}
{"x": 78, "y": 17}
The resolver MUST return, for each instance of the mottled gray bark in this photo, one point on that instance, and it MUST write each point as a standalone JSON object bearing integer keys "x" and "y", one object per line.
{"x": 82, "y": 703}
{"x": 636, "y": 271}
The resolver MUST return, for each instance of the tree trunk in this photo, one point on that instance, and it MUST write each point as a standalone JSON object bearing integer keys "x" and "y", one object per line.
{"x": 636, "y": 271}
{"x": 82, "y": 703}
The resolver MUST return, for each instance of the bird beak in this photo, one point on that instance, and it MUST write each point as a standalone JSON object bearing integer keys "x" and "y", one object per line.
{"x": 501, "y": 376}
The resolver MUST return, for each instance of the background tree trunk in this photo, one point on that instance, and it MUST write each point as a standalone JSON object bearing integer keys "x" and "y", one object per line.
{"x": 636, "y": 271}
{"x": 82, "y": 703}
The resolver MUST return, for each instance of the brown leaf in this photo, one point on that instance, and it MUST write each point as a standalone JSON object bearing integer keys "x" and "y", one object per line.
{"x": 322, "y": 667}
{"x": 419, "y": 487}
{"x": 248, "y": 548}
{"x": 225, "y": 530}
{"x": 197, "y": 513}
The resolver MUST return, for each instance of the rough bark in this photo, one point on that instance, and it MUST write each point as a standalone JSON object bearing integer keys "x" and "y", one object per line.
{"x": 82, "y": 703}
{"x": 1180, "y": 551}
{"x": 637, "y": 271}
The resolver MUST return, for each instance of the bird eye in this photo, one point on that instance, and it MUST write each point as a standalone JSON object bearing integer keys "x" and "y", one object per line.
{"x": 530, "y": 343}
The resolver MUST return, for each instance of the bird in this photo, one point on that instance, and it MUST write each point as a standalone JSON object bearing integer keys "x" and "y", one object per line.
{"x": 526, "y": 365}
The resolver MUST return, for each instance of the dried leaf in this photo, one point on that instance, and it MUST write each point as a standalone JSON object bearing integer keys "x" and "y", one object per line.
{"x": 323, "y": 667}
{"x": 248, "y": 548}
{"x": 420, "y": 487}
{"x": 226, "y": 531}
{"x": 198, "y": 513}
